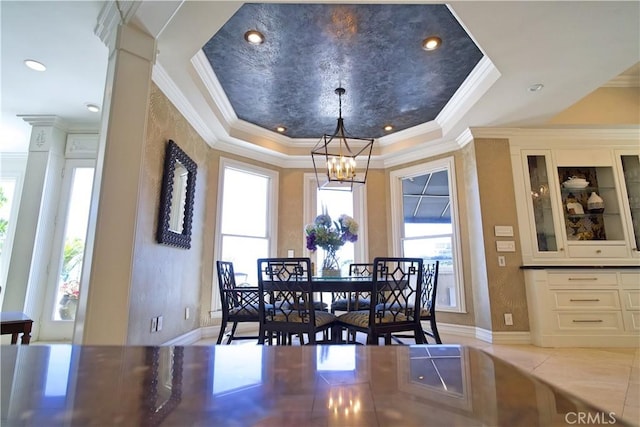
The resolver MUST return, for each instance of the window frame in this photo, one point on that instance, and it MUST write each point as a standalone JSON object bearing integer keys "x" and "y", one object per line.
{"x": 397, "y": 222}
{"x": 272, "y": 213}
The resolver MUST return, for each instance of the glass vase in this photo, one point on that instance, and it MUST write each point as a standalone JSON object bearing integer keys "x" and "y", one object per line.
{"x": 330, "y": 265}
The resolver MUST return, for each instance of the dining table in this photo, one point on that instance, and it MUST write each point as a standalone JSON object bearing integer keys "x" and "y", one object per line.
{"x": 341, "y": 284}
{"x": 255, "y": 385}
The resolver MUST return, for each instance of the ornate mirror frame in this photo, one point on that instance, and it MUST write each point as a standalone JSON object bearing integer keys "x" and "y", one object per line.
{"x": 165, "y": 234}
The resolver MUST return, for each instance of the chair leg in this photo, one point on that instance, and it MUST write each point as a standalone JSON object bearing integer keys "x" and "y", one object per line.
{"x": 223, "y": 327}
{"x": 233, "y": 331}
{"x": 434, "y": 329}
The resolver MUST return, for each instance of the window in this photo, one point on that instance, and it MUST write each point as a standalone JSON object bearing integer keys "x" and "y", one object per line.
{"x": 247, "y": 218}
{"x": 425, "y": 224}
{"x": 336, "y": 203}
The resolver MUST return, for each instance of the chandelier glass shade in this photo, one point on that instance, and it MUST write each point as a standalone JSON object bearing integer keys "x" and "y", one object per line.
{"x": 339, "y": 158}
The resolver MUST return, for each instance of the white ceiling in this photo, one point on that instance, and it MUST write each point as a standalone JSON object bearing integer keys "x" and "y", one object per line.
{"x": 571, "y": 47}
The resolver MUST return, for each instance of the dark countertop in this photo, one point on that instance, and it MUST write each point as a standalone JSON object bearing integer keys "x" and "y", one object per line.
{"x": 249, "y": 385}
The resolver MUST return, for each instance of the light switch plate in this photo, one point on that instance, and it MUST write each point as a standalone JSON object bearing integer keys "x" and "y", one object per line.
{"x": 506, "y": 246}
{"x": 290, "y": 253}
{"x": 503, "y": 231}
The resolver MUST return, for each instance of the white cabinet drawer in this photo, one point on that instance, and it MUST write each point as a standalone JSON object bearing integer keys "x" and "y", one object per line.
{"x": 582, "y": 278}
{"x": 632, "y": 320}
{"x": 597, "y": 251}
{"x": 630, "y": 280}
{"x": 604, "y": 321}
{"x": 587, "y": 299}
{"x": 631, "y": 299}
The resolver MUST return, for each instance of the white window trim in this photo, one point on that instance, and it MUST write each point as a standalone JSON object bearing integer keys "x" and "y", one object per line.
{"x": 361, "y": 246}
{"x": 397, "y": 233}
{"x": 272, "y": 209}
{"x": 13, "y": 166}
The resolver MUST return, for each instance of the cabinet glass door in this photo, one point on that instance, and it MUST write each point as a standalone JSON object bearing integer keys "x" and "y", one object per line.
{"x": 590, "y": 203}
{"x": 631, "y": 171}
{"x": 541, "y": 201}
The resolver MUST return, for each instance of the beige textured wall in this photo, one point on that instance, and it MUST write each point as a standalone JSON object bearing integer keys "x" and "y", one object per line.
{"x": 290, "y": 212}
{"x": 607, "y": 106}
{"x": 167, "y": 279}
{"x": 497, "y": 205}
{"x": 378, "y": 213}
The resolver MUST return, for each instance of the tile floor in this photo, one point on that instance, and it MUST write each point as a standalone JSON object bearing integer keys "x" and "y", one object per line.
{"x": 609, "y": 378}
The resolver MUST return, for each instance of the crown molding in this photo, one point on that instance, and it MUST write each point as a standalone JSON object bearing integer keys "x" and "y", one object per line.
{"x": 45, "y": 120}
{"x": 161, "y": 78}
{"x": 477, "y": 83}
{"x": 112, "y": 14}
{"x": 214, "y": 88}
{"x": 545, "y": 134}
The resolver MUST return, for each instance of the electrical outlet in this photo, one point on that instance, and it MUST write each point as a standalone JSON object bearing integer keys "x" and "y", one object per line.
{"x": 187, "y": 314}
{"x": 502, "y": 261}
{"x": 508, "y": 319}
{"x": 154, "y": 324}
{"x": 159, "y": 323}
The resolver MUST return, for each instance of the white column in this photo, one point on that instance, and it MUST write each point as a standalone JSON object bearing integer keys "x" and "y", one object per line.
{"x": 27, "y": 275}
{"x": 103, "y": 310}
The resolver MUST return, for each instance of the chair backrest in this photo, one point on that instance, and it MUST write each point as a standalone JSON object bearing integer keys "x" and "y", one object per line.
{"x": 227, "y": 284}
{"x": 429, "y": 287}
{"x": 286, "y": 295}
{"x": 398, "y": 285}
{"x": 226, "y": 275}
{"x": 361, "y": 269}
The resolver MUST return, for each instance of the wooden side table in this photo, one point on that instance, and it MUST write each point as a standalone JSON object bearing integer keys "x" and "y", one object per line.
{"x": 15, "y": 323}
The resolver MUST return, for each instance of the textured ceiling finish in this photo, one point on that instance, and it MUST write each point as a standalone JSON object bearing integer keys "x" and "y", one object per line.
{"x": 373, "y": 51}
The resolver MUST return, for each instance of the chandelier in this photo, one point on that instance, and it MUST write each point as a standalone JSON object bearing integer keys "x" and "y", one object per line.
{"x": 340, "y": 158}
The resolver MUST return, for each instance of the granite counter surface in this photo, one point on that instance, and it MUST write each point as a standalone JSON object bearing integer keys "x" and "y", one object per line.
{"x": 250, "y": 385}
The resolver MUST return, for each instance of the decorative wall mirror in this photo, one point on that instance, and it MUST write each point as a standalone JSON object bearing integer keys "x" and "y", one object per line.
{"x": 176, "y": 198}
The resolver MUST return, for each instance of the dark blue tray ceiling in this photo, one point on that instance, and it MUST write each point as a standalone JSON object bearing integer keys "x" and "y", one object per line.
{"x": 373, "y": 51}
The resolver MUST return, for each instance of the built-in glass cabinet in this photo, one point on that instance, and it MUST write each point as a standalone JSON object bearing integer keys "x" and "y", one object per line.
{"x": 631, "y": 173}
{"x": 581, "y": 204}
{"x": 591, "y": 209}
{"x": 541, "y": 203}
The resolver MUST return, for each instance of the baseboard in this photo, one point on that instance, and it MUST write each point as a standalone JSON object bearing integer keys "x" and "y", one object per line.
{"x": 186, "y": 339}
{"x": 512, "y": 337}
{"x": 485, "y": 334}
{"x": 464, "y": 331}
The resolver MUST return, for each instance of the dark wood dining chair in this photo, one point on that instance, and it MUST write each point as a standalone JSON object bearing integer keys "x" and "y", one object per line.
{"x": 239, "y": 303}
{"x": 353, "y": 301}
{"x": 395, "y": 301}
{"x": 287, "y": 305}
{"x": 428, "y": 300}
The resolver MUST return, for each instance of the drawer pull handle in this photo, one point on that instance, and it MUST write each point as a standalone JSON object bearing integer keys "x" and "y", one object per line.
{"x": 585, "y": 300}
{"x": 587, "y": 321}
{"x": 598, "y": 251}
{"x": 583, "y": 278}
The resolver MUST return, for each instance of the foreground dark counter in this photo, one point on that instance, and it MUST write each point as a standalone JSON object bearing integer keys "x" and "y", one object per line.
{"x": 248, "y": 385}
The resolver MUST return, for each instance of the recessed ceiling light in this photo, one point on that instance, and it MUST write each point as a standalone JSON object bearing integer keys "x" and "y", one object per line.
{"x": 281, "y": 129}
{"x": 535, "y": 88}
{"x": 388, "y": 128}
{"x": 254, "y": 37}
{"x": 34, "y": 65}
{"x": 431, "y": 43}
{"x": 92, "y": 107}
